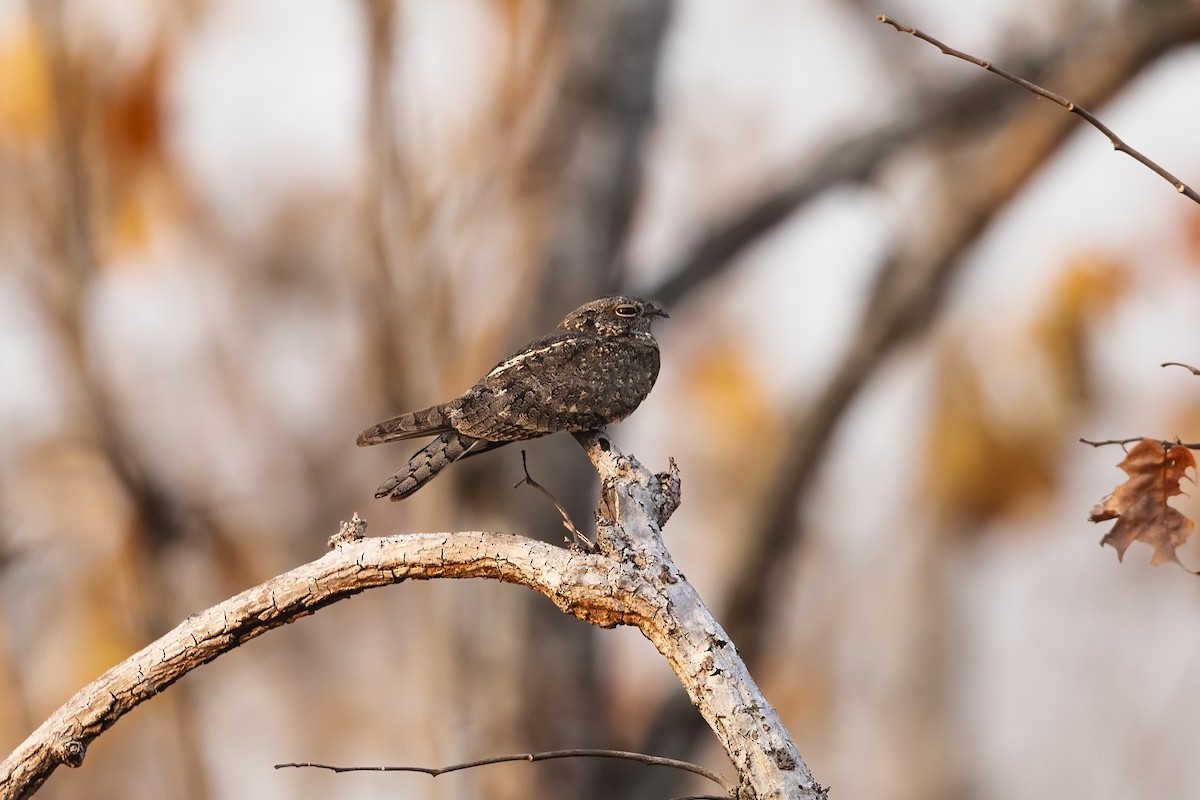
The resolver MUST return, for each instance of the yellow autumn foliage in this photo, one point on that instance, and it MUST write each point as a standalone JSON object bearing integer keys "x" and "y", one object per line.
{"x": 26, "y": 102}
{"x": 997, "y": 428}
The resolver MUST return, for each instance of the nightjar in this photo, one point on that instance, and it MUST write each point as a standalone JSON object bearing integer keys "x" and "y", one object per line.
{"x": 596, "y": 367}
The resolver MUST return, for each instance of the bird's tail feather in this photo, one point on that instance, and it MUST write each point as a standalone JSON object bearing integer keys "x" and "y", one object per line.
{"x": 425, "y": 422}
{"x": 425, "y": 464}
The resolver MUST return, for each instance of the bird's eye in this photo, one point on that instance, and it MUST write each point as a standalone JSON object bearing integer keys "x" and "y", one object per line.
{"x": 626, "y": 311}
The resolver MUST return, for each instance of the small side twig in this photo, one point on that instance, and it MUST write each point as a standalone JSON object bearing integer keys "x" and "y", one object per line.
{"x": 1106, "y": 442}
{"x": 1188, "y": 367}
{"x": 1165, "y": 443}
{"x": 1132, "y": 439}
{"x": 641, "y": 758}
{"x": 349, "y": 532}
{"x": 1117, "y": 143}
{"x": 587, "y": 543}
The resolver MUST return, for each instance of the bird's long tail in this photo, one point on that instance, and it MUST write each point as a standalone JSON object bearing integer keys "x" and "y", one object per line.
{"x": 425, "y": 464}
{"x": 426, "y": 422}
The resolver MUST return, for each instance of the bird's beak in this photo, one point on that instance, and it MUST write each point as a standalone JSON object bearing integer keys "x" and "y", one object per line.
{"x": 656, "y": 310}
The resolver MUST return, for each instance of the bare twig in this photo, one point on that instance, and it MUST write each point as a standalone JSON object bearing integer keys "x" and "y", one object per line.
{"x": 1117, "y": 143}
{"x": 1165, "y": 443}
{"x": 1106, "y": 442}
{"x": 1188, "y": 367}
{"x": 587, "y": 543}
{"x": 641, "y": 758}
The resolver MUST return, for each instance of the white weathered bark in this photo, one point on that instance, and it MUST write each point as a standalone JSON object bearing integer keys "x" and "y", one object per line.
{"x": 630, "y": 581}
{"x": 634, "y": 504}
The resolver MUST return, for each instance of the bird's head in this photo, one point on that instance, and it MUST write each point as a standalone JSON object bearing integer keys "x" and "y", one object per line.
{"x": 618, "y": 315}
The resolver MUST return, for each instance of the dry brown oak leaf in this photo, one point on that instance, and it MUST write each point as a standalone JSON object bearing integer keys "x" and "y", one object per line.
{"x": 1139, "y": 505}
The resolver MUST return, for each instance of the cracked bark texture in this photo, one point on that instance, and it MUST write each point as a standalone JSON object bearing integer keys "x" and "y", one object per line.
{"x": 631, "y": 580}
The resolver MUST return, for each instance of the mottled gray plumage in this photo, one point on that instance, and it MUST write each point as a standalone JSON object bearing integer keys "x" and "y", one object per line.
{"x": 596, "y": 367}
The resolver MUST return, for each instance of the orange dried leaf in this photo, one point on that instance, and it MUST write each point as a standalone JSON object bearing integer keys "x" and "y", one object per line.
{"x": 1139, "y": 505}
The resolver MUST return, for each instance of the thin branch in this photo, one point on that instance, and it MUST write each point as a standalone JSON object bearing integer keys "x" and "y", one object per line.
{"x": 588, "y": 544}
{"x": 1188, "y": 367}
{"x": 641, "y": 758}
{"x": 1106, "y": 442}
{"x": 1117, "y": 143}
{"x": 1165, "y": 443}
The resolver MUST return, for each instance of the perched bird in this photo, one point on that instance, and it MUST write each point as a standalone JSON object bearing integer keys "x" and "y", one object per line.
{"x": 596, "y": 367}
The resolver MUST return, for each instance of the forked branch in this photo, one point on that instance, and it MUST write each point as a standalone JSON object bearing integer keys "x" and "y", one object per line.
{"x": 631, "y": 580}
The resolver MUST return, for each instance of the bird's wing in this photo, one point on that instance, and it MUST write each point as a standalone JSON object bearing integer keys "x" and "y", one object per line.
{"x": 563, "y": 382}
{"x": 426, "y": 422}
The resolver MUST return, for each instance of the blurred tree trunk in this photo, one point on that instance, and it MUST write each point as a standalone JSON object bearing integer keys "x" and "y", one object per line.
{"x": 586, "y": 169}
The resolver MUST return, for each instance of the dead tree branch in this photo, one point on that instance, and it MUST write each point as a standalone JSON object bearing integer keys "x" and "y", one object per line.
{"x": 633, "y": 501}
{"x": 1117, "y": 142}
{"x": 631, "y": 581}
